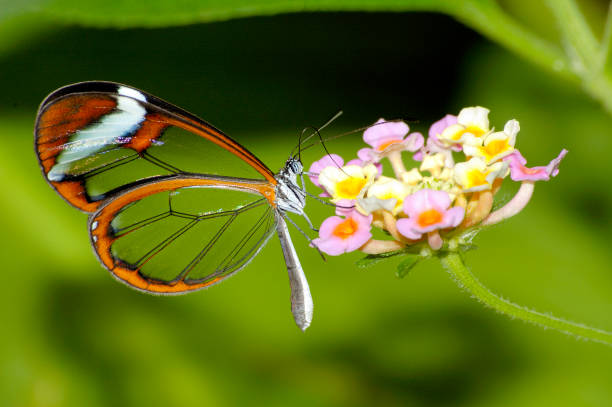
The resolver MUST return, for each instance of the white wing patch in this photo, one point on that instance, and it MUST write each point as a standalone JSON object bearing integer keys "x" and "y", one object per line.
{"x": 133, "y": 93}
{"x": 113, "y": 129}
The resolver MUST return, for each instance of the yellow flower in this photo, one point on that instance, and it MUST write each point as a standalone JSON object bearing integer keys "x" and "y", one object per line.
{"x": 389, "y": 188}
{"x": 476, "y": 175}
{"x": 495, "y": 146}
{"x": 348, "y": 182}
{"x": 472, "y": 124}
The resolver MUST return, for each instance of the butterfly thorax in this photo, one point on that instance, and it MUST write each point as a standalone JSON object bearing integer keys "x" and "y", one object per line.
{"x": 290, "y": 197}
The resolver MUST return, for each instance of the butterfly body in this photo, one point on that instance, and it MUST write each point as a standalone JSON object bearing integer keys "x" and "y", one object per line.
{"x": 175, "y": 204}
{"x": 289, "y": 196}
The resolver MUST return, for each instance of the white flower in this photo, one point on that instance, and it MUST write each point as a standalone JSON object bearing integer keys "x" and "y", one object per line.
{"x": 495, "y": 146}
{"x": 472, "y": 124}
{"x": 389, "y": 188}
{"x": 372, "y": 204}
{"x": 348, "y": 182}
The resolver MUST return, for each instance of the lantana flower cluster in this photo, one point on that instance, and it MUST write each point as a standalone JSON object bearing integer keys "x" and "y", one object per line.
{"x": 448, "y": 190}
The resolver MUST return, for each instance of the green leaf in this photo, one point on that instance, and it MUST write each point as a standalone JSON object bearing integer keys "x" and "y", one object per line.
{"x": 407, "y": 264}
{"x": 372, "y": 259}
{"x": 163, "y": 13}
{"x": 467, "y": 247}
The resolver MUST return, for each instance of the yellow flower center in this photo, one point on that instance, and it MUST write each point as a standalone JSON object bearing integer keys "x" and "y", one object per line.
{"x": 496, "y": 147}
{"x": 387, "y": 144}
{"x": 386, "y": 195}
{"x": 476, "y": 178}
{"x": 476, "y": 131}
{"x": 429, "y": 217}
{"x": 345, "y": 229}
{"x": 350, "y": 187}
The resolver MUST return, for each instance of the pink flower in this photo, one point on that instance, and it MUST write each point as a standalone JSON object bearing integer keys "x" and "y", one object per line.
{"x": 438, "y": 127}
{"x": 338, "y": 235}
{"x": 383, "y": 134}
{"x": 428, "y": 210}
{"x": 518, "y": 171}
{"x": 328, "y": 160}
{"x": 434, "y": 145}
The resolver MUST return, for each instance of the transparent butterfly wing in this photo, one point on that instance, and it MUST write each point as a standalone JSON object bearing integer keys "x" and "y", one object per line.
{"x": 178, "y": 234}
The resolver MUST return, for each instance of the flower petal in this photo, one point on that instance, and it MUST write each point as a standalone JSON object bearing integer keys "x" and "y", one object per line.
{"x": 414, "y": 142}
{"x": 438, "y": 127}
{"x": 344, "y": 207}
{"x": 329, "y": 160}
{"x": 453, "y": 217}
{"x": 327, "y": 227}
{"x": 383, "y": 132}
{"x": 406, "y": 228}
{"x": 333, "y": 246}
{"x": 519, "y": 172}
{"x": 477, "y": 116}
{"x": 438, "y": 200}
{"x": 553, "y": 166}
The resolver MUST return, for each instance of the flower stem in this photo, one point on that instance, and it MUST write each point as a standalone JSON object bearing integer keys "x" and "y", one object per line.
{"x": 576, "y": 32}
{"x": 395, "y": 158}
{"x": 490, "y": 20}
{"x": 587, "y": 57}
{"x": 374, "y": 246}
{"x": 516, "y": 204}
{"x": 605, "y": 57}
{"x": 453, "y": 264}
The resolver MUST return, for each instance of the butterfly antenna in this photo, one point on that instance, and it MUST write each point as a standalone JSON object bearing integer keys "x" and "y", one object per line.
{"x": 300, "y": 141}
{"x": 324, "y": 148}
{"x": 299, "y": 144}
{"x": 328, "y": 203}
{"x": 353, "y": 132}
{"x": 327, "y": 123}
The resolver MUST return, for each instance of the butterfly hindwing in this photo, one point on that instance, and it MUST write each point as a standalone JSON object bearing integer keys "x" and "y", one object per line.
{"x": 179, "y": 233}
{"x": 94, "y": 139}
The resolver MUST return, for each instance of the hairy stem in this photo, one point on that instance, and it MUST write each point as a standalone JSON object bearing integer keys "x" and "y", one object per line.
{"x": 454, "y": 265}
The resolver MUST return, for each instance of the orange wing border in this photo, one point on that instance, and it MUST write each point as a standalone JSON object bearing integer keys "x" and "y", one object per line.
{"x": 99, "y": 226}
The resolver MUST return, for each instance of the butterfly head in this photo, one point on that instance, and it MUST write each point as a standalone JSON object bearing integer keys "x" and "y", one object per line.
{"x": 294, "y": 166}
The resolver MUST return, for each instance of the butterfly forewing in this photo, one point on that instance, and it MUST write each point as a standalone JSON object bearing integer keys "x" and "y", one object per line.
{"x": 94, "y": 139}
{"x": 181, "y": 238}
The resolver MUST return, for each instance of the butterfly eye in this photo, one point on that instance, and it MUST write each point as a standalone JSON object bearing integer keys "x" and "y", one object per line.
{"x": 295, "y": 166}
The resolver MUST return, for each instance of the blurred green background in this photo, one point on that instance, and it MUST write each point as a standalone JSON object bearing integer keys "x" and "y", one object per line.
{"x": 72, "y": 336}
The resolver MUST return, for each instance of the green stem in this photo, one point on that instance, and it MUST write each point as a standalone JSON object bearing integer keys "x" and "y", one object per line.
{"x": 605, "y": 60}
{"x": 576, "y": 33}
{"x": 454, "y": 265}
{"x": 583, "y": 50}
{"x": 490, "y": 20}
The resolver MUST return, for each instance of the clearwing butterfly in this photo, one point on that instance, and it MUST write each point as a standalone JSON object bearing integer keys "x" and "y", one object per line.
{"x": 175, "y": 204}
